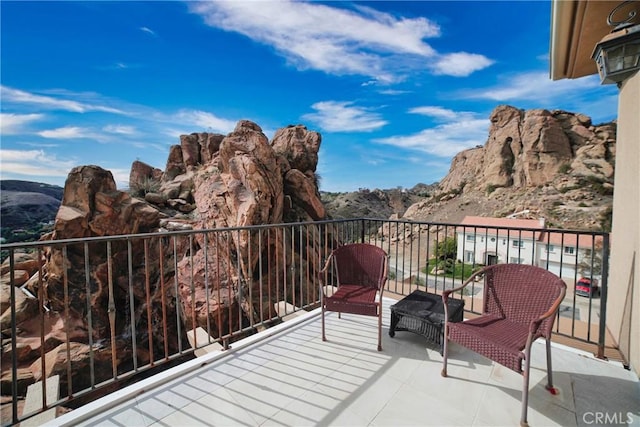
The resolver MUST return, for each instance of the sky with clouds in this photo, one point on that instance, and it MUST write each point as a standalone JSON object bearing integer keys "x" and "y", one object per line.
{"x": 396, "y": 89}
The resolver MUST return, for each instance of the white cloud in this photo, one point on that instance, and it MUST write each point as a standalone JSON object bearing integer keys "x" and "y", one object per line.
{"x": 460, "y": 64}
{"x": 460, "y": 131}
{"x": 443, "y": 114}
{"x": 205, "y": 121}
{"x": 335, "y": 40}
{"x": 121, "y": 177}
{"x": 335, "y": 116}
{"x": 148, "y": 30}
{"x": 13, "y": 123}
{"x": 393, "y": 92}
{"x": 10, "y": 95}
{"x": 543, "y": 57}
{"x": 67, "y": 132}
{"x": 120, "y": 129}
{"x": 432, "y": 111}
{"x": 33, "y": 163}
{"x": 533, "y": 86}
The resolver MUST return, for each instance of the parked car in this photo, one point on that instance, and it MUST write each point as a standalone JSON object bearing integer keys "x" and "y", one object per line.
{"x": 587, "y": 287}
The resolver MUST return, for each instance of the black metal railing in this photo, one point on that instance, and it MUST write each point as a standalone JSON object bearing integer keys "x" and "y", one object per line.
{"x": 111, "y": 308}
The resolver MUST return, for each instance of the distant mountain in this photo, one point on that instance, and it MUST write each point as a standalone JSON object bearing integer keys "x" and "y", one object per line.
{"x": 377, "y": 203}
{"x": 549, "y": 164}
{"x": 27, "y": 205}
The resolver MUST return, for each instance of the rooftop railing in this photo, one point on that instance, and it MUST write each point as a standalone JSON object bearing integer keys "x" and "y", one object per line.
{"x": 103, "y": 311}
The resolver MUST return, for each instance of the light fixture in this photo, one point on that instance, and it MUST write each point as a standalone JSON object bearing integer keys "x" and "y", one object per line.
{"x": 617, "y": 55}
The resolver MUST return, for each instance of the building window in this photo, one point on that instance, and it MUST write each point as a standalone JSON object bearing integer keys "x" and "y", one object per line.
{"x": 518, "y": 244}
{"x": 569, "y": 250}
{"x": 550, "y": 248}
{"x": 515, "y": 260}
{"x": 471, "y": 238}
{"x": 468, "y": 256}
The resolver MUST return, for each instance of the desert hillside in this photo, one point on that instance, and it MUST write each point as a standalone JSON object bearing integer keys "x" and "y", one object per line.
{"x": 555, "y": 165}
{"x": 26, "y": 205}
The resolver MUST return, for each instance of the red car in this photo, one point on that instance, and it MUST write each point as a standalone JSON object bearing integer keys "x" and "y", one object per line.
{"x": 586, "y": 287}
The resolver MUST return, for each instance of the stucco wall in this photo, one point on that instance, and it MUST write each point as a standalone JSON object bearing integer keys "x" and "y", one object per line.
{"x": 623, "y": 306}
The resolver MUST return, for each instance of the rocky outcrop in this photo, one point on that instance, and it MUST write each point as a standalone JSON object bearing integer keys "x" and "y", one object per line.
{"x": 245, "y": 183}
{"x": 555, "y": 165}
{"x": 528, "y": 149}
{"x": 210, "y": 182}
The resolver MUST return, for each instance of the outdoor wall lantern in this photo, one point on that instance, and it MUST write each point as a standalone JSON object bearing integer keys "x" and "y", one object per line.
{"x": 617, "y": 55}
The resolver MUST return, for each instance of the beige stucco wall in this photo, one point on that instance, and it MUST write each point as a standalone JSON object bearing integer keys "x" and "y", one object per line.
{"x": 623, "y": 305}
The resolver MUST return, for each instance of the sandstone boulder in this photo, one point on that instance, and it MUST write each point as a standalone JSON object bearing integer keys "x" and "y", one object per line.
{"x": 526, "y": 149}
{"x": 175, "y": 163}
{"x": 142, "y": 177}
{"x": 299, "y": 146}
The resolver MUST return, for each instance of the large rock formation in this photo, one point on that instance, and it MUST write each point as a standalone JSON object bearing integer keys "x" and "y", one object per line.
{"x": 78, "y": 296}
{"x": 244, "y": 183}
{"x": 99, "y": 295}
{"x": 529, "y": 148}
{"x": 544, "y": 164}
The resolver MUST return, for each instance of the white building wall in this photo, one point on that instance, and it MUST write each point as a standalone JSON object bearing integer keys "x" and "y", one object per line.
{"x": 623, "y": 303}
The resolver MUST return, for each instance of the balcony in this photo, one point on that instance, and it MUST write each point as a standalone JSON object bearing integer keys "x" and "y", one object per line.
{"x": 288, "y": 376}
{"x": 265, "y": 363}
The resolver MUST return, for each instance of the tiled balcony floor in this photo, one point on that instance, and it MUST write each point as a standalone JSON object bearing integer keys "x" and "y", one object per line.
{"x": 288, "y": 376}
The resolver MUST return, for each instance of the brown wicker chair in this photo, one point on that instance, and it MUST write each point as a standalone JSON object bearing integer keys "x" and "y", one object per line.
{"x": 361, "y": 272}
{"x": 519, "y": 306}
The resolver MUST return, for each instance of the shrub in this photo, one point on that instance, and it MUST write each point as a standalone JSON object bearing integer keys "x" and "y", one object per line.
{"x": 447, "y": 248}
{"x": 564, "y": 168}
{"x": 144, "y": 186}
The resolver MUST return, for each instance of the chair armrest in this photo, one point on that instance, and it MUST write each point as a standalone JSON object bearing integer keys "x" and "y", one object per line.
{"x": 383, "y": 279}
{"x": 535, "y": 324}
{"x": 446, "y": 293}
{"x": 322, "y": 273}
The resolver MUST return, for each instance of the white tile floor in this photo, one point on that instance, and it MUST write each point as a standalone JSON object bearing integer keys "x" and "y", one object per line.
{"x": 292, "y": 378}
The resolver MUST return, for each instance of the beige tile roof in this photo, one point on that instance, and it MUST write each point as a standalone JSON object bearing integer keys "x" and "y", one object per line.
{"x": 501, "y": 227}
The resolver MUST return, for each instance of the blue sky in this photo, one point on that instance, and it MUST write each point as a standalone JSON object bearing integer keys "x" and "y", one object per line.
{"x": 396, "y": 89}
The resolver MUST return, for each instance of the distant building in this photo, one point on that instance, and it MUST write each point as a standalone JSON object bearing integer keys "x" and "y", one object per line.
{"x": 486, "y": 241}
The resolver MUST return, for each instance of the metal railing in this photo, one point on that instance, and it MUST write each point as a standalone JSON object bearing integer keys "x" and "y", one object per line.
{"x": 111, "y": 308}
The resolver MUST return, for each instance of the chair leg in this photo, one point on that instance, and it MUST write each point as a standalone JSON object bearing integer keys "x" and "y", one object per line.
{"x": 445, "y": 348}
{"x": 525, "y": 385}
{"x": 380, "y": 328}
{"x": 550, "y": 386}
{"x": 324, "y": 338}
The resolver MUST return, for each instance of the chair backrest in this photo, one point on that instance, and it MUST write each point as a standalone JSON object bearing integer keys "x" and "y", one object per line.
{"x": 361, "y": 264}
{"x": 522, "y": 293}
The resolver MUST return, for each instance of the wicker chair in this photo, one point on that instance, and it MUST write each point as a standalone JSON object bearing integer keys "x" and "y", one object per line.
{"x": 361, "y": 272}
{"x": 519, "y": 306}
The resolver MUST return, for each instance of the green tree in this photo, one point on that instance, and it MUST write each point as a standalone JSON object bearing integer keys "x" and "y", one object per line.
{"x": 590, "y": 262}
{"x": 447, "y": 249}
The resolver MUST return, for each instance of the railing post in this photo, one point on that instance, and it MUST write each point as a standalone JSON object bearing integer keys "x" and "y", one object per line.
{"x": 111, "y": 312}
{"x": 361, "y": 230}
{"x": 14, "y": 343}
{"x": 603, "y": 296}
